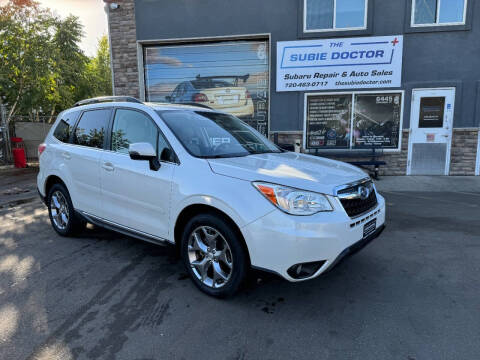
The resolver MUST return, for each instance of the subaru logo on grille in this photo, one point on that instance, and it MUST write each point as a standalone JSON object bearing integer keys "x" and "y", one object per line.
{"x": 363, "y": 192}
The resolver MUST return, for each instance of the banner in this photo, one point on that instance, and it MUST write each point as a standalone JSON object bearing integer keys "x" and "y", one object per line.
{"x": 229, "y": 76}
{"x": 369, "y": 62}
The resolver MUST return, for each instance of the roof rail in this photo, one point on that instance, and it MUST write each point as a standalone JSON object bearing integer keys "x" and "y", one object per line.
{"x": 103, "y": 99}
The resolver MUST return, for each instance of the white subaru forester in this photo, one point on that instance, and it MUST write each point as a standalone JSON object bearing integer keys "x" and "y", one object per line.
{"x": 207, "y": 182}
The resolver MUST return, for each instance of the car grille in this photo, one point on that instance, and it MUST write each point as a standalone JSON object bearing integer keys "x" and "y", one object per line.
{"x": 353, "y": 204}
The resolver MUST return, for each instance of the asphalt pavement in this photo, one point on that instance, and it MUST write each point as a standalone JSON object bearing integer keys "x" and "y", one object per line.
{"x": 414, "y": 293}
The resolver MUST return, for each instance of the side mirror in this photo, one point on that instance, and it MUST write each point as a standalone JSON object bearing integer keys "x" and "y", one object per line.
{"x": 144, "y": 151}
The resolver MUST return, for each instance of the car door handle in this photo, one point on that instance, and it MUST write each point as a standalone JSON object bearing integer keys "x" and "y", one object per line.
{"x": 108, "y": 166}
{"x": 66, "y": 155}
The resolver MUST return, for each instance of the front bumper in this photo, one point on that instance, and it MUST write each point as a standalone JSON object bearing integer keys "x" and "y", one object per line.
{"x": 278, "y": 241}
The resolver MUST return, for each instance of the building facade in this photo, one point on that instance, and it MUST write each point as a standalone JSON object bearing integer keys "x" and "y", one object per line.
{"x": 337, "y": 76}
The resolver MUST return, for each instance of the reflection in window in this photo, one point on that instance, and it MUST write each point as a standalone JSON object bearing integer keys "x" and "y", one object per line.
{"x": 132, "y": 127}
{"x": 63, "y": 130}
{"x": 335, "y": 14}
{"x": 438, "y": 12}
{"x": 90, "y": 130}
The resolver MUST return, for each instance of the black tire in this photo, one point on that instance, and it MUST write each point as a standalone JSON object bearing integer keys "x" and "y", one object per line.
{"x": 74, "y": 224}
{"x": 238, "y": 255}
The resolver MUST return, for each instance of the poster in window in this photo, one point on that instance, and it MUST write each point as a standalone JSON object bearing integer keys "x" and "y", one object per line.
{"x": 229, "y": 76}
{"x": 377, "y": 120}
{"x": 328, "y": 121}
{"x": 431, "y": 112}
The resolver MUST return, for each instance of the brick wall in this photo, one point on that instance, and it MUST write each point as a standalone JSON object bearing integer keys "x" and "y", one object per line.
{"x": 123, "y": 39}
{"x": 464, "y": 151}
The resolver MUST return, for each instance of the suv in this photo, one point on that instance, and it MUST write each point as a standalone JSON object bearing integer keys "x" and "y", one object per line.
{"x": 227, "y": 197}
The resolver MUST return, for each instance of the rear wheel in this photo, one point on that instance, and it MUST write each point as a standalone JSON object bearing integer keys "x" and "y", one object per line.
{"x": 61, "y": 211}
{"x": 213, "y": 255}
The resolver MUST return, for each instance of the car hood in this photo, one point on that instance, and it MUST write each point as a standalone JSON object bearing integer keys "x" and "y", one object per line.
{"x": 291, "y": 169}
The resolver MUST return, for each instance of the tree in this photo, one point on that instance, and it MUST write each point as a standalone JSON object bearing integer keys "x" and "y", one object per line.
{"x": 25, "y": 38}
{"x": 99, "y": 72}
{"x": 42, "y": 67}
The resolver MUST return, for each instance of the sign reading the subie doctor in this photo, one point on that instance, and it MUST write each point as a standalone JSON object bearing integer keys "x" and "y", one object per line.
{"x": 369, "y": 62}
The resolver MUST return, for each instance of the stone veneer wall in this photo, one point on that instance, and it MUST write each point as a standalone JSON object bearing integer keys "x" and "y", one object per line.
{"x": 123, "y": 38}
{"x": 464, "y": 151}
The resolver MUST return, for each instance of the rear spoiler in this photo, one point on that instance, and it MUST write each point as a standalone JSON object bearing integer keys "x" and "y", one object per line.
{"x": 236, "y": 77}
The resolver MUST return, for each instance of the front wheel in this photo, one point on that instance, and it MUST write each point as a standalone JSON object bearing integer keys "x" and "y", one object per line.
{"x": 213, "y": 255}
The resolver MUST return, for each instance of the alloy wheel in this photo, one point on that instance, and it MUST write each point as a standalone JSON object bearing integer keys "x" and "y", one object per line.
{"x": 210, "y": 257}
{"x": 59, "y": 210}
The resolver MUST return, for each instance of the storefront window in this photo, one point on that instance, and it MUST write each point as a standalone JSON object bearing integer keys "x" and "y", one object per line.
{"x": 376, "y": 121}
{"x": 353, "y": 120}
{"x": 438, "y": 12}
{"x": 328, "y": 121}
{"x": 324, "y": 15}
{"x": 227, "y": 76}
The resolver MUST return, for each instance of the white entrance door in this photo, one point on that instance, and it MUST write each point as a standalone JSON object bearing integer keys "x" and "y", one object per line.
{"x": 431, "y": 124}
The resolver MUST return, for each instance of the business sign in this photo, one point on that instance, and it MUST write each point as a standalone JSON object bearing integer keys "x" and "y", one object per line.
{"x": 370, "y": 62}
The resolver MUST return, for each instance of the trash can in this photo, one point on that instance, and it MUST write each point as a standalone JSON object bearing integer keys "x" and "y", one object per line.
{"x": 18, "y": 151}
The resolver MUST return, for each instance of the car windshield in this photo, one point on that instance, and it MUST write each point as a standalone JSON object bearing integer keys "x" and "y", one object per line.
{"x": 216, "y": 135}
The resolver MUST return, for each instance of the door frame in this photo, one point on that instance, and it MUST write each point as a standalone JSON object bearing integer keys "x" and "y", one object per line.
{"x": 410, "y": 143}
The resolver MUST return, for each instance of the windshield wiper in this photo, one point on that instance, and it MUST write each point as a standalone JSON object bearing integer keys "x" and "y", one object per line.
{"x": 223, "y": 156}
{"x": 265, "y": 152}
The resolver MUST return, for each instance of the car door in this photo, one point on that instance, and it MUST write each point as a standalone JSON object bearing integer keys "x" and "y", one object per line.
{"x": 133, "y": 195}
{"x": 82, "y": 159}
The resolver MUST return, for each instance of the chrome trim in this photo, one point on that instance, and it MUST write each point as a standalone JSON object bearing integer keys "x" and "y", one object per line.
{"x": 96, "y": 220}
{"x": 346, "y": 186}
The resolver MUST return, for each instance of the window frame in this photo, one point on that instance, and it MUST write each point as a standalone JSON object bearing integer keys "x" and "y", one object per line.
{"x": 351, "y": 147}
{"x": 334, "y": 28}
{"x": 437, "y": 16}
{"x": 108, "y": 137}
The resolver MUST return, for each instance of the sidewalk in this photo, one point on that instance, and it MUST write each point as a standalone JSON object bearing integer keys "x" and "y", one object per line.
{"x": 429, "y": 183}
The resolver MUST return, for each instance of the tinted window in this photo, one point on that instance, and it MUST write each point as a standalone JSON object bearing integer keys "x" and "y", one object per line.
{"x": 65, "y": 125}
{"x": 132, "y": 127}
{"x": 90, "y": 130}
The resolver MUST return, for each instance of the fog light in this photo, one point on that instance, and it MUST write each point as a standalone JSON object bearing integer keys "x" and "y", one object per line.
{"x": 305, "y": 270}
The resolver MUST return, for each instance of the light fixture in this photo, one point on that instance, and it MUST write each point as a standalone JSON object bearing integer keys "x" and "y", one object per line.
{"x": 112, "y": 4}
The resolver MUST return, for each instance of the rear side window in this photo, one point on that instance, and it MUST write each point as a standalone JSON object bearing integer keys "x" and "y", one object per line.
{"x": 65, "y": 126}
{"x": 91, "y": 128}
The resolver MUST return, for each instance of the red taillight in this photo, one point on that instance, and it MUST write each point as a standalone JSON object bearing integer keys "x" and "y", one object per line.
{"x": 248, "y": 95}
{"x": 199, "y": 97}
{"x": 41, "y": 149}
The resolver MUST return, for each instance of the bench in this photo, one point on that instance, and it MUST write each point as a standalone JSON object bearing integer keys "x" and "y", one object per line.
{"x": 373, "y": 153}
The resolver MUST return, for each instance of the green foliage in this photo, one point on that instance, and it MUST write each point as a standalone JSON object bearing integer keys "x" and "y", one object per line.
{"x": 42, "y": 68}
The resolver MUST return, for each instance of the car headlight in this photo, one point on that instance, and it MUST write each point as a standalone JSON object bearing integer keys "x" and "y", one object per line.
{"x": 293, "y": 201}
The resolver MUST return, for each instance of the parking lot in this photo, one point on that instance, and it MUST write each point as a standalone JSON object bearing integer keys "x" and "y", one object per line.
{"x": 414, "y": 293}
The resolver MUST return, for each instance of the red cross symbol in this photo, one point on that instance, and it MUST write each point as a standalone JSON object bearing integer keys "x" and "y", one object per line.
{"x": 395, "y": 42}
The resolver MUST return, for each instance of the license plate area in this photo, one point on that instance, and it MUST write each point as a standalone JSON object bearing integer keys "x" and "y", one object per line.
{"x": 228, "y": 100}
{"x": 369, "y": 228}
